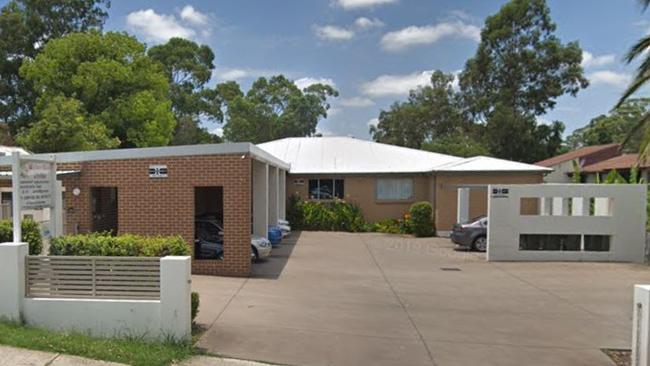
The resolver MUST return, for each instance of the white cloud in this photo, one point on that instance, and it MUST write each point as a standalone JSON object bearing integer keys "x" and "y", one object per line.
{"x": 233, "y": 74}
{"x": 324, "y": 131}
{"x": 385, "y": 85}
{"x": 191, "y": 15}
{"x": 589, "y": 60}
{"x": 333, "y": 112}
{"x": 415, "y": 35}
{"x": 157, "y": 27}
{"x": 608, "y": 77}
{"x": 373, "y": 122}
{"x": 332, "y": 33}
{"x": 367, "y": 23}
{"x": 356, "y": 102}
{"x": 357, "y": 4}
{"x": 305, "y": 82}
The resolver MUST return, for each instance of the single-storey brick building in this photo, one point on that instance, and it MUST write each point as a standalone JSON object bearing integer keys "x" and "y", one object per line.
{"x": 384, "y": 180}
{"x": 162, "y": 190}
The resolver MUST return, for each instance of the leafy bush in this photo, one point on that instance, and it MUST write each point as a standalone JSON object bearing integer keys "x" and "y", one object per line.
{"x": 31, "y": 234}
{"x": 294, "y": 211}
{"x": 337, "y": 215}
{"x": 195, "y": 305}
{"x": 387, "y": 226}
{"x": 102, "y": 244}
{"x": 421, "y": 219}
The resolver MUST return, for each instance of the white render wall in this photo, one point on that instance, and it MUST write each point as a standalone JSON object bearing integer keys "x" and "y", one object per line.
{"x": 620, "y": 213}
{"x": 641, "y": 326}
{"x": 164, "y": 319}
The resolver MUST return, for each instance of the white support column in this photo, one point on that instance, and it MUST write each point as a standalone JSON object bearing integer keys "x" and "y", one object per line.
{"x": 274, "y": 193}
{"x": 282, "y": 197}
{"x": 175, "y": 297}
{"x": 58, "y": 213}
{"x": 15, "y": 196}
{"x": 462, "y": 210}
{"x": 12, "y": 281}
{"x": 260, "y": 199}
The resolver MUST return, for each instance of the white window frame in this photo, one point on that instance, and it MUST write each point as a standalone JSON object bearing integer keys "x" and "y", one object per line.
{"x": 395, "y": 181}
{"x": 334, "y": 192}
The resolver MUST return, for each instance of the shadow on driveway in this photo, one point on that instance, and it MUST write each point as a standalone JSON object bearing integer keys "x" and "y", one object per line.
{"x": 271, "y": 268}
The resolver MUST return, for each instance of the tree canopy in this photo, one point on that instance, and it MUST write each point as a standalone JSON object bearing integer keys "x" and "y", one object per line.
{"x": 519, "y": 70}
{"x": 26, "y": 26}
{"x": 113, "y": 79}
{"x": 273, "y": 108}
{"x": 613, "y": 127}
{"x": 189, "y": 68}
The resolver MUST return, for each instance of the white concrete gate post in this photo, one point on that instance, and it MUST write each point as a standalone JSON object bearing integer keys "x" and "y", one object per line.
{"x": 641, "y": 326}
{"x": 12, "y": 280}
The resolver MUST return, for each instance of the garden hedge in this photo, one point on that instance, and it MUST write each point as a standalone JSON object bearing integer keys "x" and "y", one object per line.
{"x": 103, "y": 244}
{"x": 421, "y": 224}
{"x": 31, "y": 234}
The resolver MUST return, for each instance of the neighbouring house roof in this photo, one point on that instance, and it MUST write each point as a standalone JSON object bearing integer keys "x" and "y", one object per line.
{"x": 621, "y": 162}
{"x": 346, "y": 155}
{"x": 591, "y": 154}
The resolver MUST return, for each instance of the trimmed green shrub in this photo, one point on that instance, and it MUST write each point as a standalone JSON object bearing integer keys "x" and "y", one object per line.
{"x": 421, "y": 221}
{"x": 31, "y": 234}
{"x": 103, "y": 244}
{"x": 195, "y": 305}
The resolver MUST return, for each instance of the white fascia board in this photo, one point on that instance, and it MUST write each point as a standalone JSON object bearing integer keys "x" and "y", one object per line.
{"x": 157, "y": 152}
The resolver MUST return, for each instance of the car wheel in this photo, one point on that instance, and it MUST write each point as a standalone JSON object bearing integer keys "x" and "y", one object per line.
{"x": 480, "y": 244}
{"x": 254, "y": 255}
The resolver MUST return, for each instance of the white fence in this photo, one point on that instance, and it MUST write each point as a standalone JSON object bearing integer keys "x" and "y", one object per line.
{"x": 100, "y": 296}
{"x": 567, "y": 222}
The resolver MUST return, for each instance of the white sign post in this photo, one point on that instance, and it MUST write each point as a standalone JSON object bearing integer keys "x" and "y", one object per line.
{"x": 34, "y": 188}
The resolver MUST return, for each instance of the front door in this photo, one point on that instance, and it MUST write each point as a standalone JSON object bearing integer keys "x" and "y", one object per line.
{"x": 104, "y": 209}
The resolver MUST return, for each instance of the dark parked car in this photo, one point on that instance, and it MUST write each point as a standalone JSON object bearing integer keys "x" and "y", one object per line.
{"x": 471, "y": 234}
{"x": 208, "y": 243}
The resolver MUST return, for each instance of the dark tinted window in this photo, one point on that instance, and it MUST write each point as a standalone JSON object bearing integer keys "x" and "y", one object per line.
{"x": 597, "y": 243}
{"x": 339, "y": 190}
{"x": 313, "y": 189}
{"x": 560, "y": 242}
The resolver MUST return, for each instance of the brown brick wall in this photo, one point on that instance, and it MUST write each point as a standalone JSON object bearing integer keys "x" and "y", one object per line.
{"x": 165, "y": 206}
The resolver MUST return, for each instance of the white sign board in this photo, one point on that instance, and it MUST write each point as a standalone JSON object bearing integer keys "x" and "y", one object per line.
{"x": 35, "y": 185}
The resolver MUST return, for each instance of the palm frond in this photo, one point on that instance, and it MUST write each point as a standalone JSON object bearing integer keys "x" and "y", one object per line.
{"x": 640, "y": 79}
{"x": 638, "y": 48}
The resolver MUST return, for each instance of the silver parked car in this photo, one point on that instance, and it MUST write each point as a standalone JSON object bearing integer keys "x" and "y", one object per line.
{"x": 471, "y": 234}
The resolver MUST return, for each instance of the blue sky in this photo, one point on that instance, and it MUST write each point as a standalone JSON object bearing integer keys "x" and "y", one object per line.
{"x": 373, "y": 51}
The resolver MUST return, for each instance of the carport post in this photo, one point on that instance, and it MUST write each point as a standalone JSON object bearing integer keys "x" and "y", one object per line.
{"x": 273, "y": 195}
{"x": 282, "y": 194}
{"x": 260, "y": 198}
{"x": 462, "y": 212}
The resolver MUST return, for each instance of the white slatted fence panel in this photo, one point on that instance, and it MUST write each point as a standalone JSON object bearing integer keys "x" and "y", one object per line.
{"x": 92, "y": 277}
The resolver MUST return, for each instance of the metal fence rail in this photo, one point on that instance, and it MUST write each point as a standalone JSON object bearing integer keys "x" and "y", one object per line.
{"x": 132, "y": 278}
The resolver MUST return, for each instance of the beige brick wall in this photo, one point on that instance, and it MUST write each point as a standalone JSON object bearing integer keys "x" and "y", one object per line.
{"x": 165, "y": 206}
{"x": 446, "y": 193}
{"x": 361, "y": 190}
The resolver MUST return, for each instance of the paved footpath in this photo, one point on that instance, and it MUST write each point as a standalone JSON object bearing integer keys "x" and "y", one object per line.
{"x": 10, "y": 356}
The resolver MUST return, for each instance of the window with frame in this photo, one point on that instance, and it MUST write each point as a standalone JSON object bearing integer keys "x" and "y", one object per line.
{"x": 394, "y": 189}
{"x": 326, "y": 189}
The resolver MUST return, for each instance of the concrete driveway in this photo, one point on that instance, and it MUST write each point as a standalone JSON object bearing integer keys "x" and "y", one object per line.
{"x": 373, "y": 299}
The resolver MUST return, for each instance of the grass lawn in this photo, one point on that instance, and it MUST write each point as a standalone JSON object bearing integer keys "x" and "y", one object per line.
{"x": 128, "y": 351}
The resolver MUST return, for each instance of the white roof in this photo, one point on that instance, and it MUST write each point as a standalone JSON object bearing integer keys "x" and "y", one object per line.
{"x": 346, "y": 155}
{"x": 7, "y": 150}
{"x": 489, "y": 164}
